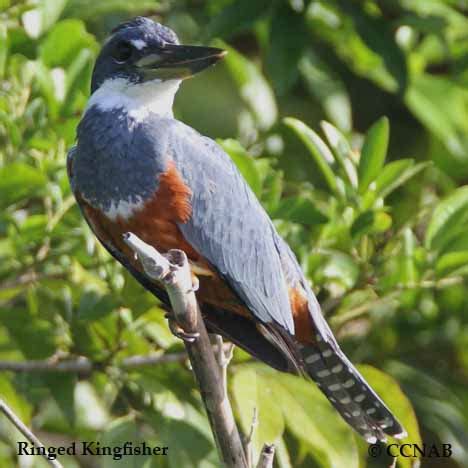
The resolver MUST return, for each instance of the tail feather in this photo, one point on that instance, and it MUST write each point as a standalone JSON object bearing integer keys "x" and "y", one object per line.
{"x": 349, "y": 393}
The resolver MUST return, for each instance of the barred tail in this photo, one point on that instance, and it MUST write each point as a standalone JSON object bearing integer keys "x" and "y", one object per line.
{"x": 349, "y": 393}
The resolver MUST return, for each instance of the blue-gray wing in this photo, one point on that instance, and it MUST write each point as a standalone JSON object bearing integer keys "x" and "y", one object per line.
{"x": 229, "y": 227}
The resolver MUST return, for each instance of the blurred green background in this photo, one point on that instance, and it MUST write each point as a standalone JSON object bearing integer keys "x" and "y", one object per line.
{"x": 375, "y": 208}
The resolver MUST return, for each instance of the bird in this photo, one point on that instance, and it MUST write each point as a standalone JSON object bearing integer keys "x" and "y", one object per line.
{"x": 136, "y": 168}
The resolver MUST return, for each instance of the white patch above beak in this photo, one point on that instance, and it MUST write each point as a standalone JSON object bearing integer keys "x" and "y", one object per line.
{"x": 138, "y": 44}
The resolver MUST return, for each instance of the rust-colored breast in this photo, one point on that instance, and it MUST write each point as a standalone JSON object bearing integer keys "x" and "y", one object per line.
{"x": 173, "y": 196}
{"x": 156, "y": 224}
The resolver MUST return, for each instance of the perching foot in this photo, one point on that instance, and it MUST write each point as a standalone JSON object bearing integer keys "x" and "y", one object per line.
{"x": 179, "y": 332}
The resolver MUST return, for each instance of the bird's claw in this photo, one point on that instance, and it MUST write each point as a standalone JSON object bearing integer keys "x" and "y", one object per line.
{"x": 170, "y": 277}
{"x": 195, "y": 285}
{"x": 179, "y": 332}
{"x": 223, "y": 353}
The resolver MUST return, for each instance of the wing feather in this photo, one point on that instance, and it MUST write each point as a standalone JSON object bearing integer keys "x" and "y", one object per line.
{"x": 229, "y": 227}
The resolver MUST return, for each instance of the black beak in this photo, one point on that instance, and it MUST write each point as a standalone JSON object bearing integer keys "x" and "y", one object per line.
{"x": 178, "y": 61}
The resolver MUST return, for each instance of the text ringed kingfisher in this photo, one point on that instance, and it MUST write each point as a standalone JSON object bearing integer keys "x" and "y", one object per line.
{"x": 135, "y": 168}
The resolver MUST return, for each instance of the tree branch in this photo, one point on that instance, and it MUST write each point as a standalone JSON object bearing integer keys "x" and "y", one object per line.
{"x": 8, "y": 412}
{"x": 83, "y": 365}
{"x": 173, "y": 271}
{"x": 80, "y": 365}
{"x": 267, "y": 456}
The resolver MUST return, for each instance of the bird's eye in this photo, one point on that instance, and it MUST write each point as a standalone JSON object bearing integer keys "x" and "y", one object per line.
{"x": 122, "y": 52}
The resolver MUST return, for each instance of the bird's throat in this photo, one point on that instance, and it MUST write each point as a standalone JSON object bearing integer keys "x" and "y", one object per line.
{"x": 137, "y": 100}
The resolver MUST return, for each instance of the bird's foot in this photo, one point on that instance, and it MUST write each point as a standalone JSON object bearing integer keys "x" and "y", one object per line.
{"x": 223, "y": 353}
{"x": 179, "y": 332}
{"x": 195, "y": 285}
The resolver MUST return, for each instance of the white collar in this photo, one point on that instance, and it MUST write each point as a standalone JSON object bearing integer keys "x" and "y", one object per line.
{"x": 138, "y": 100}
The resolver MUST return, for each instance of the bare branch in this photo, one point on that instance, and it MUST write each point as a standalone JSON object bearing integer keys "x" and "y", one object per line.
{"x": 28, "y": 277}
{"x": 133, "y": 362}
{"x": 8, "y": 412}
{"x": 80, "y": 365}
{"x": 223, "y": 356}
{"x": 248, "y": 440}
{"x": 266, "y": 457}
{"x": 83, "y": 365}
{"x": 174, "y": 273}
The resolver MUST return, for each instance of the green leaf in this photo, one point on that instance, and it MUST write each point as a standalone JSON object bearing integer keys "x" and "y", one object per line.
{"x": 340, "y": 268}
{"x": 100, "y": 11}
{"x": 342, "y": 151}
{"x": 244, "y": 163}
{"x": 15, "y": 401}
{"x": 363, "y": 224}
{"x": 398, "y": 403}
{"x": 447, "y": 219}
{"x": 354, "y": 299}
{"x": 377, "y": 34}
{"x": 252, "y": 392}
{"x": 77, "y": 75}
{"x": 318, "y": 150}
{"x": 154, "y": 325}
{"x": 458, "y": 243}
{"x": 362, "y": 40}
{"x": 3, "y": 48}
{"x": 288, "y": 38}
{"x": 433, "y": 100}
{"x": 437, "y": 401}
{"x": 236, "y": 17}
{"x": 373, "y": 153}
{"x": 94, "y": 306}
{"x": 117, "y": 433}
{"x": 84, "y": 278}
{"x": 38, "y": 20}
{"x": 51, "y": 89}
{"x": 31, "y": 230}
{"x": 6, "y": 293}
{"x": 300, "y": 210}
{"x": 51, "y": 11}
{"x": 304, "y": 410}
{"x": 327, "y": 87}
{"x": 252, "y": 85}
{"x": 188, "y": 446}
{"x": 408, "y": 269}
{"x": 33, "y": 336}
{"x": 91, "y": 408}
{"x": 451, "y": 261}
{"x": 272, "y": 190}
{"x": 442, "y": 106}
{"x": 396, "y": 174}
{"x": 282, "y": 456}
{"x": 64, "y": 43}
{"x": 382, "y": 222}
{"x": 19, "y": 181}
{"x": 62, "y": 388}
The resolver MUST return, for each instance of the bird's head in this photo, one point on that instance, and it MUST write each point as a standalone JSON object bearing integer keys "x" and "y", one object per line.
{"x": 142, "y": 50}
{"x": 140, "y": 67}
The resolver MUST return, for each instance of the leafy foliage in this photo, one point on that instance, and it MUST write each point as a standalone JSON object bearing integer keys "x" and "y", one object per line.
{"x": 374, "y": 207}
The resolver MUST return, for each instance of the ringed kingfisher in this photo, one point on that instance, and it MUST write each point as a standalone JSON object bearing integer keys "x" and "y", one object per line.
{"x": 135, "y": 168}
